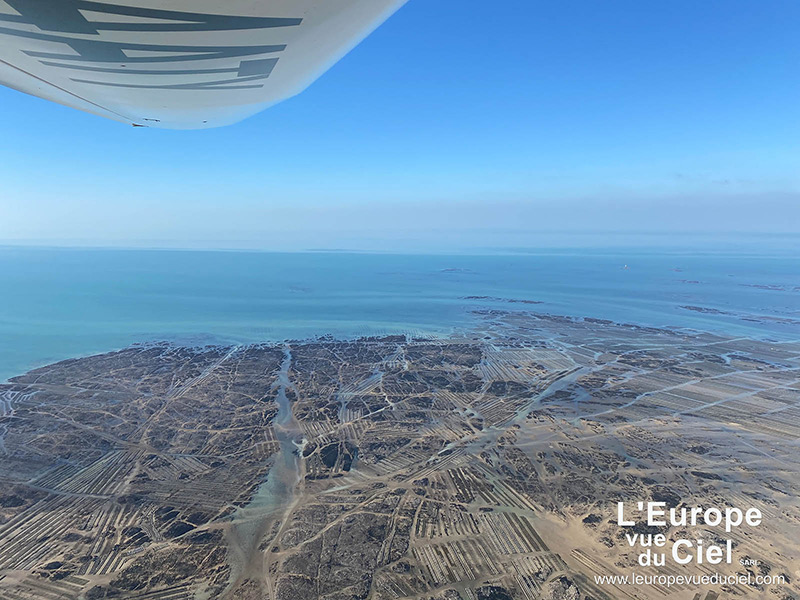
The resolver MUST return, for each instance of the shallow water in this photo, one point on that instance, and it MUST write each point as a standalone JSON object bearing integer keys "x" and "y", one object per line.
{"x": 249, "y": 523}
{"x": 60, "y": 303}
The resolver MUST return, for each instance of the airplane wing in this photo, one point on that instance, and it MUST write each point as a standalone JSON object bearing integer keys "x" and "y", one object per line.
{"x": 177, "y": 64}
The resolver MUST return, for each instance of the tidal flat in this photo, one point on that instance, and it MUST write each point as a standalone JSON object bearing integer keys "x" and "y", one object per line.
{"x": 483, "y": 465}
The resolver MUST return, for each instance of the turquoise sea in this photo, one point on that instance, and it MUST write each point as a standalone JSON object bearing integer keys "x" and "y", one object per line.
{"x": 61, "y": 303}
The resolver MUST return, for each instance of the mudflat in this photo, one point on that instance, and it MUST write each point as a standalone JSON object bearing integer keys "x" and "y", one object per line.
{"x": 482, "y": 466}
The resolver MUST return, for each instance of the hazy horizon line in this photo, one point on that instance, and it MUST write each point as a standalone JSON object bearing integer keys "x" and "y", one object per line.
{"x": 658, "y": 240}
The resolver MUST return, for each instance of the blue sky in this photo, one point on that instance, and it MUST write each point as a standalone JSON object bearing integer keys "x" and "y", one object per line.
{"x": 461, "y": 122}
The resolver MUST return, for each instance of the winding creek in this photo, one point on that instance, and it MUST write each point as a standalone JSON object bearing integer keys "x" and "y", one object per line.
{"x": 277, "y": 493}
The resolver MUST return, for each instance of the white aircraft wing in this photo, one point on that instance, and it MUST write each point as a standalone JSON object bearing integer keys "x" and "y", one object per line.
{"x": 177, "y": 64}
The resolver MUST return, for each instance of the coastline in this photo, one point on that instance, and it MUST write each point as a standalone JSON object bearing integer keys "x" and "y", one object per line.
{"x": 65, "y": 304}
{"x": 571, "y": 411}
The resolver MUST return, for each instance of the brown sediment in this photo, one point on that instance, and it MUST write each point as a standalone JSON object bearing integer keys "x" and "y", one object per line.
{"x": 485, "y": 465}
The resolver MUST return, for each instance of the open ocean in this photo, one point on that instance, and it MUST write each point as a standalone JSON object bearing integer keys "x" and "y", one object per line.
{"x": 63, "y": 303}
